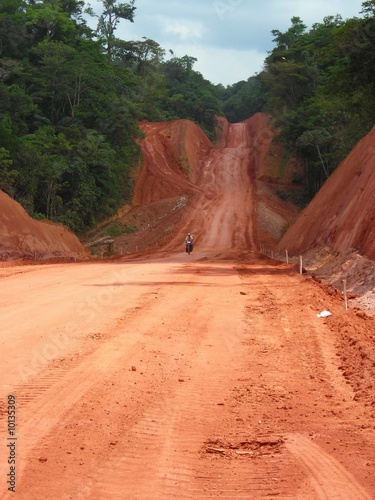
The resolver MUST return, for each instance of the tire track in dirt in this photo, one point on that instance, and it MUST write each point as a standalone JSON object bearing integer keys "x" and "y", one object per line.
{"x": 305, "y": 394}
{"x": 66, "y": 392}
{"x": 162, "y": 454}
{"x": 43, "y": 406}
{"x": 160, "y": 457}
{"x": 331, "y": 481}
{"x": 43, "y": 401}
{"x": 161, "y": 450}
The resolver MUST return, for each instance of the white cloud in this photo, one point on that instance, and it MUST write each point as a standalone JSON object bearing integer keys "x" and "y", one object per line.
{"x": 229, "y": 66}
{"x": 230, "y": 38}
{"x": 184, "y": 30}
{"x": 220, "y": 65}
{"x": 314, "y": 11}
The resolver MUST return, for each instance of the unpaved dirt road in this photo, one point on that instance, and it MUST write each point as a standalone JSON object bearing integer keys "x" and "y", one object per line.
{"x": 184, "y": 377}
{"x": 221, "y": 216}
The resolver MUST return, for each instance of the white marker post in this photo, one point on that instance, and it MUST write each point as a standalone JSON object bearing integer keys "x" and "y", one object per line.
{"x": 345, "y": 296}
{"x": 286, "y": 256}
{"x": 300, "y": 265}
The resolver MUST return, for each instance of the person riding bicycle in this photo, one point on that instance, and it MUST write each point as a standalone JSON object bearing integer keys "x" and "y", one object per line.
{"x": 189, "y": 240}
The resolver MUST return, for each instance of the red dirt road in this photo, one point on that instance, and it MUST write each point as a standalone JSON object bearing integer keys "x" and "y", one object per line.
{"x": 184, "y": 377}
{"x": 221, "y": 216}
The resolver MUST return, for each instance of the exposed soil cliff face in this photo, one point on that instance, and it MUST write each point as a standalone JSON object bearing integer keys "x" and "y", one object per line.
{"x": 23, "y": 237}
{"x": 173, "y": 155}
{"x": 342, "y": 214}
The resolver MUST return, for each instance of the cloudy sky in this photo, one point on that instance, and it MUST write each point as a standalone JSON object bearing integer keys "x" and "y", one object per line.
{"x": 230, "y": 38}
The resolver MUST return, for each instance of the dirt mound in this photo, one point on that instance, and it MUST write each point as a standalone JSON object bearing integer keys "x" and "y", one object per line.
{"x": 332, "y": 268}
{"x": 23, "y": 237}
{"x": 342, "y": 214}
{"x": 142, "y": 227}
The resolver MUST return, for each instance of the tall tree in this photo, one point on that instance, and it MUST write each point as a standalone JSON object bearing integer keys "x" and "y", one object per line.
{"x": 112, "y": 14}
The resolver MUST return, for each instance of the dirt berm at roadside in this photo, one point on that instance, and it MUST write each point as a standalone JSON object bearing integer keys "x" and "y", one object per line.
{"x": 23, "y": 237}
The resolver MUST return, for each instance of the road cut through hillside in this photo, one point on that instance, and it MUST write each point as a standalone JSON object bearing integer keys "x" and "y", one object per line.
{"x": 185, "y": 377}
{"x": 221, "y": 214}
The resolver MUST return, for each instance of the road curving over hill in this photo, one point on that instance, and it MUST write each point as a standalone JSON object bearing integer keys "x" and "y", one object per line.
{"x": 187, "y": 377}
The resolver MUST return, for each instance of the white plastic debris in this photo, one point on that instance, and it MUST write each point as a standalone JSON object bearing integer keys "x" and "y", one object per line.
{"x": 324, "y": 314}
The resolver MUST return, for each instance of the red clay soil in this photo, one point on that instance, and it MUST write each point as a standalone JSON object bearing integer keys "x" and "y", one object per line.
{"x": 187, "y": 377}
{"x": 174, "y": 154}
{"x": 342, "y": 214}
{"x": 23, "y": 237}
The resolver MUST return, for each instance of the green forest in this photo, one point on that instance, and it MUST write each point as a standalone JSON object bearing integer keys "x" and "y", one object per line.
{"x": 71, "y": 99}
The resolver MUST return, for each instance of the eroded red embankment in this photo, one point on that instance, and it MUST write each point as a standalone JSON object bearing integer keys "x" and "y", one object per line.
{"x": 174, "y": 153}
{"x": 342, "y": 214}
{"x": 21, "y": 236}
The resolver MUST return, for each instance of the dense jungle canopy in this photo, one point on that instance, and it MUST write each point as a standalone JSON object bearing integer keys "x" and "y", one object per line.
{"x": 71, "y": 99}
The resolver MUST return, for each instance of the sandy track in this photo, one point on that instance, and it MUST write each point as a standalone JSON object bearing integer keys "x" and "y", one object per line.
{"x": 236, "y": 390}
